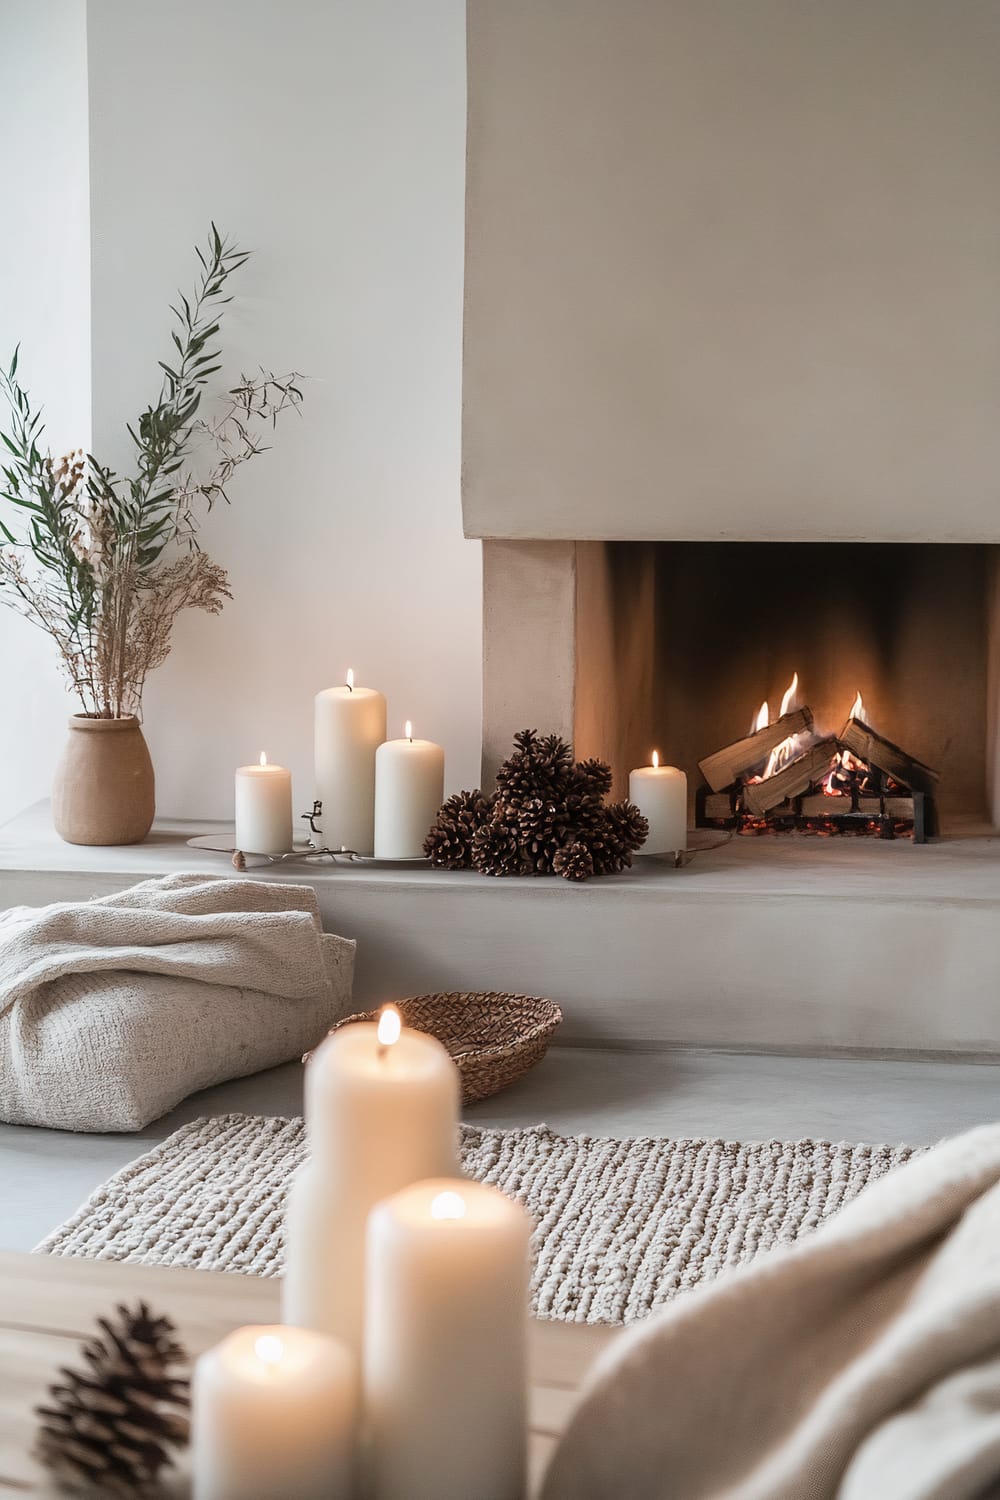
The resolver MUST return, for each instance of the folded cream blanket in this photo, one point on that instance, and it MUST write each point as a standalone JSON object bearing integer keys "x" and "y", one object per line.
{"x": 112, "y": 1011}
{"x": 862, "y": 1363}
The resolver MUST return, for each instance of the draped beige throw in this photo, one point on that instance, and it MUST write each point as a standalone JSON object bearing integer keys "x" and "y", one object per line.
{"x": 862, "y": 1363}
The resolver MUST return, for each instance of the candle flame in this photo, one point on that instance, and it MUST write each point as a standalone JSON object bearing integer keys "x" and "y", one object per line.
{"x": 857, "y": 707}
{"x": 263, "y": 758}
{"x": 448, "y": 1205}
{"x": 656, "y": 759}
{"x": 788, "y": 700}
{"x": 408, "y": 730}
{"x": 269, "y": 1349}
{"x": 389, "y": 1026}
{"x": 350, "y": 678}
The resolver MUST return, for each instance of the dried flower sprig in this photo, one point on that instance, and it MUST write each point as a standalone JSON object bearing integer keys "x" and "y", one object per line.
{"x": 105, "y": 562}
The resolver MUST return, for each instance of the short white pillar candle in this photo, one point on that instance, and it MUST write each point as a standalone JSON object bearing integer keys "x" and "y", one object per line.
{"x": 380, "y": 1113}
{"x": 349, "y": 727}
{"x": 264, "y": 808}
{"x": 446, "y": 1328}
{"x": 409, "y": 790}
{"x": 660, "y": 794}
{"x": 274, "y": 1413}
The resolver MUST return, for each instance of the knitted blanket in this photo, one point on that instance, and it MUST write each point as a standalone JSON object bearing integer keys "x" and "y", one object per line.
{"x": 863, "y": 1362}
{"x": 112, "y": 1011}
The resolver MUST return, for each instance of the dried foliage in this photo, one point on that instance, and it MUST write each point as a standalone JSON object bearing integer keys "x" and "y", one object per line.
{"x": 105, "y": 562}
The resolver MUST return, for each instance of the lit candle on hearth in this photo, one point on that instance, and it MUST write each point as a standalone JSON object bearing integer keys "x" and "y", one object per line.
{"x": 660, "y": 794}
{"x": 274, "y": 1413}
{"x": 381, "y": 1112}
{"x": 409, "y": 790}
{"x": 349, "y": 727}
{"x": 445, "y": 1343}
{"x": 263, "y": 808}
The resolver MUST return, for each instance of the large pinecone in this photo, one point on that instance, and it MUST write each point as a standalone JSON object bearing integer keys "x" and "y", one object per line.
{"x": 448, "y": 845}
{"x": 109, "y": 1428}
{"x": 628, "y": 827}
{"x": 496, "y": 849}
{"x": 543, "y": 828}
{"x": 537, "y": 768}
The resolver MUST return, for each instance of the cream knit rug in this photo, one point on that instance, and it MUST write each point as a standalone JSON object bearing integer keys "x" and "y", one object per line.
{"x": 622, "y": 1226}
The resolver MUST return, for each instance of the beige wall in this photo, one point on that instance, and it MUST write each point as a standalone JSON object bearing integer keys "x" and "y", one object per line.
{"x": 733, "y": 269}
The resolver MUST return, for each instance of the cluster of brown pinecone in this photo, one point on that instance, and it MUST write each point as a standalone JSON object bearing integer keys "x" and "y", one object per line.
{"x": 547, "y": 817}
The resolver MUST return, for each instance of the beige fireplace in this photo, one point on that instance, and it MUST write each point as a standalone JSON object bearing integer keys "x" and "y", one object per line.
{"x": 732, "y": 373}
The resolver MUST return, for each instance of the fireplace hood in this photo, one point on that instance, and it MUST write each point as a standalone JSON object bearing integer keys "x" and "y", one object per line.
{"x": 732, "y": 271}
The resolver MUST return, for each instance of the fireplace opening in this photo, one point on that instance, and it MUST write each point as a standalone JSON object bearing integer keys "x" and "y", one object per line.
{"x": 631, "y": 646}
{"x": 878, "y": 655}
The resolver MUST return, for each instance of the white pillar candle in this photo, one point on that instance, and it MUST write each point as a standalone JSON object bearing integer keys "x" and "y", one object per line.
{"x": 349, "y": 727}
{"x": 660, "y": 794}
{"x": 379, "y": 1115}
{"x": 264, "y": 808}
{"x": 409, "y": 790}
{"x": 274, "y": 1413}
{"x": 445, "y": 1343}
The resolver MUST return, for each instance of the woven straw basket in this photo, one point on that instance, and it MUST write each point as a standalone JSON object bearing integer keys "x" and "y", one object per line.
{"x": 494, "y": 1038}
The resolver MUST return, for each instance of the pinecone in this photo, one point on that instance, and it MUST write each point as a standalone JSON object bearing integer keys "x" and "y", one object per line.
{"x": 109, "y": 1429}
{"x": 574, "y": 862}
{"x": 496, "y": 849}
{"x": 628, "y": 825}
{"x": 538, "y": 768}
{"x": 593, "y": 778}
{"x": 448, "y": 845}
{"x": 543, "y": 828}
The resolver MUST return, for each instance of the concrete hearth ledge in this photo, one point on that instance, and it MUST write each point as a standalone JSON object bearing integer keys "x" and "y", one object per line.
{"x": 767, "y": 944}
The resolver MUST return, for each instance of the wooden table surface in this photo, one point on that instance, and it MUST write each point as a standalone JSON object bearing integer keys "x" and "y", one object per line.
{"x": 48, "y": 1304}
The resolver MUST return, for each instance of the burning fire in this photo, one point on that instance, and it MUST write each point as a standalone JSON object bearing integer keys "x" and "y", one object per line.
{"x": 844, "y": 762}
{"x": 790, "y": 747}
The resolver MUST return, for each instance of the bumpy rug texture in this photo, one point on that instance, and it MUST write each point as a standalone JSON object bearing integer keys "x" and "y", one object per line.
{"x": 622, "y": 1226}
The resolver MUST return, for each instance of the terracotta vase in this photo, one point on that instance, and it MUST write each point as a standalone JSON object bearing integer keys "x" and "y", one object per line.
{"x": 104, "y": 790}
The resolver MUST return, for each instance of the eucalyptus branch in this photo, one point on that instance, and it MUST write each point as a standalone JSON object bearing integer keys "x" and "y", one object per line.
{"x": 105, "y": 585}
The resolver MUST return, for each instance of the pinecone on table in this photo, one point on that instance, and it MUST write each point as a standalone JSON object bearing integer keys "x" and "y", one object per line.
{"x": 628, "y": 829}
{"x": 110, "y": 1427}
{"x": 496, "y": 849}
{"x": 593, "y": 778}
{"x": 574, "y": 862}
{"x": 448, "y": 845}
{"x": 537, "y": 768}
{"x": 543, "y": 827}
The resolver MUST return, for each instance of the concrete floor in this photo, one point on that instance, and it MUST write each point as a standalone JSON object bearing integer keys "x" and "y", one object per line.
{"x": 45, "y": 1174}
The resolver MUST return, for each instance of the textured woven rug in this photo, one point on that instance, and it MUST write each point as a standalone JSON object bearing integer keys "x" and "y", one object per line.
{"x": 622, "y": 1226}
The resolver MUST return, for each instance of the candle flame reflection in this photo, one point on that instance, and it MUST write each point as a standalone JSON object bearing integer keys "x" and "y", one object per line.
{"x": 448, "y": 1206}
{"x": 269, "y": 1349}
{"x": 263, "y": 758}
{"x": 389, "y": 1026}
{"x": 656, "y": 759}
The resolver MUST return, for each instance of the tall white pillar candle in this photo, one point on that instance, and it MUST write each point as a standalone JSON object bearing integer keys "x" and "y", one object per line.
{"x": 379, "y": 1115}
{"x": 409, "y": 790}
{"x": 264, "y": 808}
{"x": 349, "y": 727}
{"x": 660, "y": 794}
{"x": 445, "y": 1343}
{"x": 274, "y": 1413}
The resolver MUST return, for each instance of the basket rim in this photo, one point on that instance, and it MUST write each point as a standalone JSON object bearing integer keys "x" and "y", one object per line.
{"x": 534, "y": 1033}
